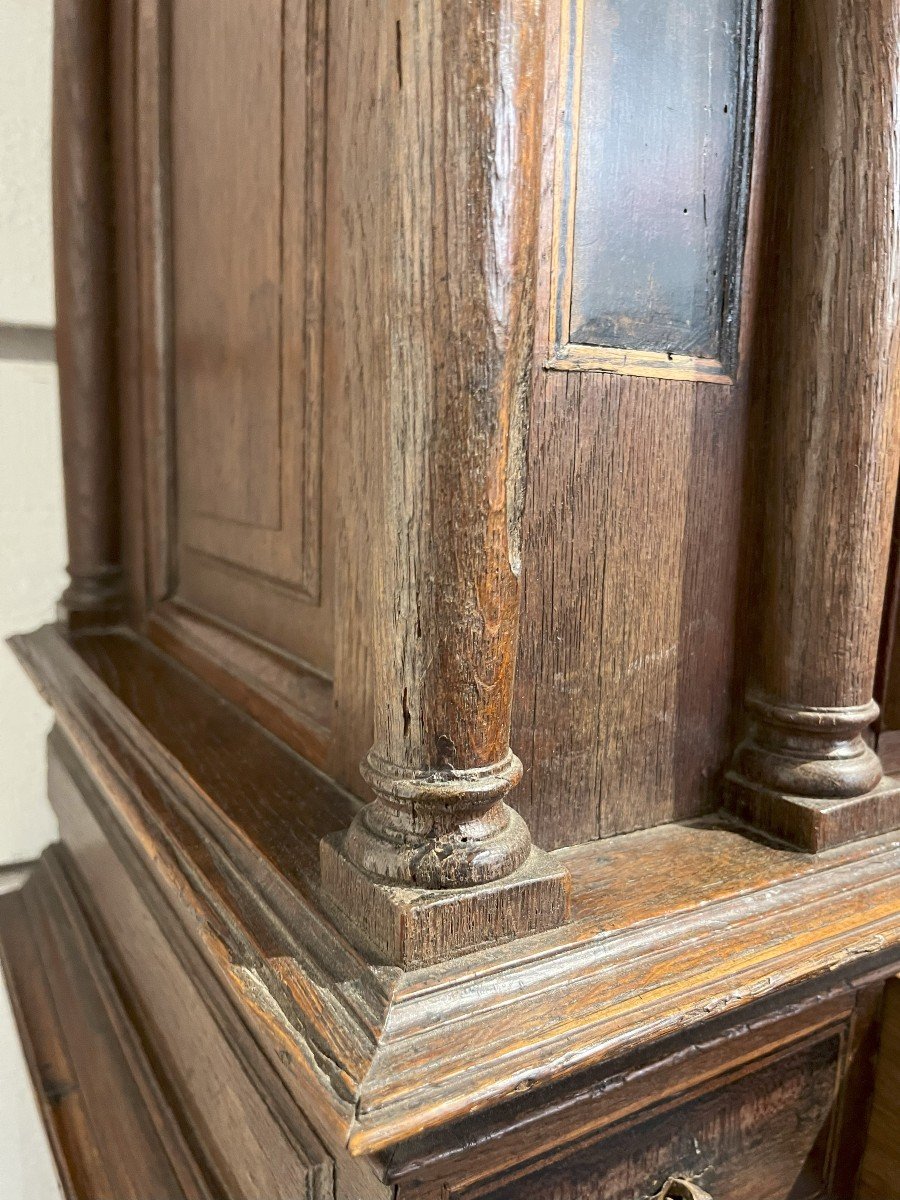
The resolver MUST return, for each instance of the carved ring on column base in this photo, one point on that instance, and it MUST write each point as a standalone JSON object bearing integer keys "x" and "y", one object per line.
{"x": 439, "y": 828}
{"x": 808, "y": 776}
{"x": 438, "y": 865}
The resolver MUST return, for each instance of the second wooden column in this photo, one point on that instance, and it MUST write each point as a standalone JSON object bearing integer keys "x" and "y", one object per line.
{"x": 831, "y": 340}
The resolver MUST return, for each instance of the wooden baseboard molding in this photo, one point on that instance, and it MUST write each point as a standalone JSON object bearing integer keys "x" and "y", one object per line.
{"x": 110, "y": 1126}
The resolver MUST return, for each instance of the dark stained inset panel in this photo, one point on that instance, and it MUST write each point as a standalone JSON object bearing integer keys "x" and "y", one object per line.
{"x": 659, "y": 174}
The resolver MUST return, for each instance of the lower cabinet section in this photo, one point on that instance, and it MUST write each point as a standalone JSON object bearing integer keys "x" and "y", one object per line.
{"x": 153, "y": 1084}
{"x": 246, "y": 1136}
{"x": 774, "y": 1109}
{"x": 762, "y": 1136}
{"x": 131, "y": 1111}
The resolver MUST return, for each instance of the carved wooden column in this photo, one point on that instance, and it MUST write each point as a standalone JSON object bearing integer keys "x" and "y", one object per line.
{"x": 85, "y": 335}
{"x": 439, "y": 863}
{"x": 830, "y": 337}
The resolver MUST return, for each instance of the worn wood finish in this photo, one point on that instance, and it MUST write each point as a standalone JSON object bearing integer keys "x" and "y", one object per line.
{"x": 747, "y": 1139}
{"x": 111, "y": 1130}
{"x": 326, "y": 237}
{"x": 123, "y": 149}
{"x": 513, "y": 1141}
{"x": 356, "y": 242}
{"x": 247, "y": 312}
{"x": 151, "y": 440}
{"x": 631, "y": 549}
{"x": 255, "y": 1135}
{"x": 270, "y": 588}
{"x": 131, "y": 1120}
{"x": 283, "y": 693}
{"x": 617, "y": 650}
{"x": 830, "y": 333}
{"x": 617, "y": 1117}
{"x": 879, "y": 1176}
{"x": 887, "y": 675}
{"x": 462, "y": 98}
{"x": 85, "y": 308}
{"x": 651, "y": 953}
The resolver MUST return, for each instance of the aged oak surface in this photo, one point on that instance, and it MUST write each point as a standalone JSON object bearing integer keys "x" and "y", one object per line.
{"x": 222, "y": 402}
{"x": 463, "y": 101}
{"x": 247, "y": 313}
{"x": 632, "y": 535}
{"x": 879, "y": 1174}
{"x": 94, "y": 1085}
{"x": 649, "y": 954}
{"x": 312, "y": 274}
{"x": 129, "y": 1118}
{"x": 753, "y": 1137}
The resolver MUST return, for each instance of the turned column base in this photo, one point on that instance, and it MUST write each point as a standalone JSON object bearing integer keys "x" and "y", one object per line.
{"x": 94, "y": 601}
{"x": 809, "y": 777}
{"x": 811, "y": 823}
{"x": 412, "y": 927}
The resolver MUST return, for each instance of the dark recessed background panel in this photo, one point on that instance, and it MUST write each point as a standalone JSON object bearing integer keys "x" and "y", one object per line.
{"x": 658, "y": 174}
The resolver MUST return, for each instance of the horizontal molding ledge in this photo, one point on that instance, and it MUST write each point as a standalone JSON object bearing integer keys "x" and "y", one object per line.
{"x": 672, "y": 928}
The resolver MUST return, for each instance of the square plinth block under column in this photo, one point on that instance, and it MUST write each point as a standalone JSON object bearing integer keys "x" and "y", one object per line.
{"x": 412, "y": 927}
{"x": 813, "y": 824}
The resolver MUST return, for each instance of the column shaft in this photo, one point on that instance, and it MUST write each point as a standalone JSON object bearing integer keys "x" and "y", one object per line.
{"x": 829, "y": 339}
{"x": 85, "y": 334}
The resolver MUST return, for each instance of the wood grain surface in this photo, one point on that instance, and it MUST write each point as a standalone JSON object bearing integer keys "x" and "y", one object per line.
{"x": 110, "y": 1129}
{"x": 633, "y": 531}
{"x": 831, "y": 334}
{"x": 459, "y": 99}
{"x": 879, "y": 1175}
{"x": 828, "y": 377}
{"x": 651, "y": 952}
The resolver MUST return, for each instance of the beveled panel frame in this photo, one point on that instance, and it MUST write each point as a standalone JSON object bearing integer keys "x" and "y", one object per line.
{"x": 284, "y": 690}
{"x": 292, "y": 538}
{"x": 566, "y": 355}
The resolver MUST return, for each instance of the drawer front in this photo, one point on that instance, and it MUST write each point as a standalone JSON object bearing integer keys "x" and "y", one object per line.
{"x": 761, "y": 1136}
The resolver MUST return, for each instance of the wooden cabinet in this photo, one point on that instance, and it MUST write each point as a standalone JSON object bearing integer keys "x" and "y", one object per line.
{"x": 503, "y": 396}
{"x": 755, "y": 1134}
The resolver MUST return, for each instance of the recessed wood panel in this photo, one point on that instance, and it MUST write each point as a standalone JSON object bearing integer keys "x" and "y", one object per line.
{"x": 226, "y": 222}
{"x": 246, "y": 179}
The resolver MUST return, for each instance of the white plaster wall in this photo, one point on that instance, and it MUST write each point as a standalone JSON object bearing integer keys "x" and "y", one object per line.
{"x": 32, "y": 576}
{"x": 26, "y": 291}
{"x": 32, "y": 541}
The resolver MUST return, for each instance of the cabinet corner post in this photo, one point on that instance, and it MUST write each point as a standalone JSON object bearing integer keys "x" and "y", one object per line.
{"x": 439, "y": 863}
{"x": 85, "y": 321}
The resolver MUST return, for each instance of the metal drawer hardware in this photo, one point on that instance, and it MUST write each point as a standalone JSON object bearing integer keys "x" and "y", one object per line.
{"x": 681, "y": 1189}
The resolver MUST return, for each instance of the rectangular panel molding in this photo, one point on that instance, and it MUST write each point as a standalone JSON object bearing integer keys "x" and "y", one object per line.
{"x": 231, "y": 113}
{"x": 247, "y": 311}
{"x": 652, "y": 178}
